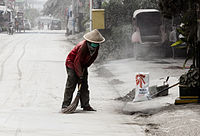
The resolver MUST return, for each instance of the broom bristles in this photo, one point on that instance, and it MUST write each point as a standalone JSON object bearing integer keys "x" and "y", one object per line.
{"x": 72, "y": 107}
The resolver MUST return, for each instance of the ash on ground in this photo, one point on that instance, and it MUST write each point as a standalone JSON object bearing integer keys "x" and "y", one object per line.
{"x": 128, "y": 97}
{"x": 173, "y": 120}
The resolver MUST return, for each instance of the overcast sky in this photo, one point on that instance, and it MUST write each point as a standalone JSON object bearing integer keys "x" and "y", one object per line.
{"x": 37, "y": 3}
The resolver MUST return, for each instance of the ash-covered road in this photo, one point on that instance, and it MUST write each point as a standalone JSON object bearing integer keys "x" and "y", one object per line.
{"x": 32, "y": 80}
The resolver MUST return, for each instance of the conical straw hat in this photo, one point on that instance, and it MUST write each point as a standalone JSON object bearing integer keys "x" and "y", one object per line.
{"x": 94, "y": 36}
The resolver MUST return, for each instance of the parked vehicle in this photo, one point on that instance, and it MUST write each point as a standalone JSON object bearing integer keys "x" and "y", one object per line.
{"x": 27, "y": 24}
{"x": 148, "y": 33}
{"x": 55, "y": 24}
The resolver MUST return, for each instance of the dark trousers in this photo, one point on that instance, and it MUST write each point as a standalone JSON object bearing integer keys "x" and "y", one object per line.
{"x": 72, "y": 81}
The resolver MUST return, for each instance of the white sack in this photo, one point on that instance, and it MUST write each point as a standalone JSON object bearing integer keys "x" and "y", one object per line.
{"x": 142, "y": 87}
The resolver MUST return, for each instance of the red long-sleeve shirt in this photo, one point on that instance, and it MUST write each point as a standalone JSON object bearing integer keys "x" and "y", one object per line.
{"x": 80, "y": 58}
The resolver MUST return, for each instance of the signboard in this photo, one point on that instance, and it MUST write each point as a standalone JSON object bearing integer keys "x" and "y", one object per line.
{"x": 98, "y": 21}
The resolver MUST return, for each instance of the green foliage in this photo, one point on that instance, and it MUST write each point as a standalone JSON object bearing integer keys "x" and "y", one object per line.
{"x": 170, "y": 8}
{"x": 119, "y": 12}
{"x": 114, "y": 13}
{"x": 56, "y": 8}
{"x": 186, "y": 10}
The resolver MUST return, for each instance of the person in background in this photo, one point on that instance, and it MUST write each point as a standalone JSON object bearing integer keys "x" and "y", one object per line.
{"x": 173, "y": 39}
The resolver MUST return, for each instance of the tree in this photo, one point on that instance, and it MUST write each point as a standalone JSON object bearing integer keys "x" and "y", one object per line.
{"x": 186, "y": 10}
{"x": 56, "y": 8}
{"x": 121, "y": 11}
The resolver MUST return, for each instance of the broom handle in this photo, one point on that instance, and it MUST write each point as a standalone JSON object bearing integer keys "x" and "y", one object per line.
{"x": 164, "y": 89}
{"x": 79, "y": 87}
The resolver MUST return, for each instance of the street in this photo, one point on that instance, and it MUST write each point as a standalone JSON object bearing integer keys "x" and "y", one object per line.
{"x": 32, "y": 81}
{"x": 138, "y": 61}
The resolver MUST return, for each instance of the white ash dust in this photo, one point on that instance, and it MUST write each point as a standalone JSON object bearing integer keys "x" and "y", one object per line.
{"x": 172, "y": 120}
{"x": 103, "y": 72}
{"x": 128, "y": 97}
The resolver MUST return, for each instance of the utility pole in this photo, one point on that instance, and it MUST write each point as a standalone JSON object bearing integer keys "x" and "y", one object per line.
{"x": 90, "y": 15}
{"x": 73, "y": 17}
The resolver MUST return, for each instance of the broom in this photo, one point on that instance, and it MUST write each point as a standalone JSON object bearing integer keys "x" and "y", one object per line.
{"x": 72, "y": 107}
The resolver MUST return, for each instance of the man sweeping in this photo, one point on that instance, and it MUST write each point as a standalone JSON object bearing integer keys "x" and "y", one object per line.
{"x": 77, "y": 63}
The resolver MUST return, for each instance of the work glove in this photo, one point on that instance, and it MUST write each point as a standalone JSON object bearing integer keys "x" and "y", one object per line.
{"x": 80, "y": 81}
